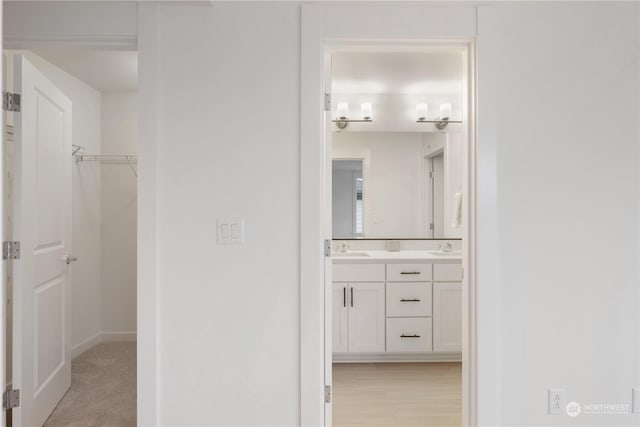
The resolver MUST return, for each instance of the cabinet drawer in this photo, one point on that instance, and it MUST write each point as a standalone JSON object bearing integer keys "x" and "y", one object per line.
{"x": 409, "y": 334}
{"x": 408, "y": 299}
{"x": 358, "y": 273}
{"x": 447, "y": 272}
{"x": 408, "y": 272}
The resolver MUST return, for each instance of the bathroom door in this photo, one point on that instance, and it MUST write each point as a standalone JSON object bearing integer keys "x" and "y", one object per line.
{"x": 42, "y": 225}
{"x": 328, "y": 264}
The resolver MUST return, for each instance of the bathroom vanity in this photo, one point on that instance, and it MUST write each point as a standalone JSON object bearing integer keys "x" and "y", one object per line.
{"x": 397, "y": 306}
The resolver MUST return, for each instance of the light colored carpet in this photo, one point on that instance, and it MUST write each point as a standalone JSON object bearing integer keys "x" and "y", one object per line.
{"x": 103, "y": 389}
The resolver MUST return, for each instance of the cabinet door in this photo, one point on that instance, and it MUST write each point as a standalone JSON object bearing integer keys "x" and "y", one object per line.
{"x": 339, "y": 327}
{"x": 366, "y": 317}
{"x": 447, "y": 317}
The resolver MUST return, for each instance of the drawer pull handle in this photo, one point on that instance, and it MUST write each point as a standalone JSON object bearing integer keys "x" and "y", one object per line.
{"x": 409, "y": 272}
{"x": 344, "y": 296}
{"x": 351, "y": 297}
{"x": 409, "y": 300}
{"x": 409, "y": 336}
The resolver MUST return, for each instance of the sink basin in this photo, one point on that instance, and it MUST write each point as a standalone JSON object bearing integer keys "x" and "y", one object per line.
{"x": 452, "y": 253}
{"x": 350, "y": 254}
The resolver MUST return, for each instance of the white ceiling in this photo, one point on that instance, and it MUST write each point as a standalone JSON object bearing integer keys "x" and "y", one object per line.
{"x": 430, "y": 73}
{"x": 106, "y": 71}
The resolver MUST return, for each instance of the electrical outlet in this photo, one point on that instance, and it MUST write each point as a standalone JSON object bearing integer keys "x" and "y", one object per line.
{"x": 635, "y": 401}
{"x": 557, "y": 401}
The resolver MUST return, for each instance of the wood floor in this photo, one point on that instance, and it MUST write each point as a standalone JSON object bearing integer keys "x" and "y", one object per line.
{"x": 397, "y": 394}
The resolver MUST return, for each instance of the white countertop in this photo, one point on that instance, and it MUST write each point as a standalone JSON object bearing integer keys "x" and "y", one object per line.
{"x": 373, "y": 257}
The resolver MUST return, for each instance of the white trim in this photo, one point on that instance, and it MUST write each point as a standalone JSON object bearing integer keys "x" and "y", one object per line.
{"x": 147, "y": 294}
{"x": 85, "y": 345}
{"x": 311, "y": 216}
{"x": 322, "y": 25}
{"x": 84, "y": 42}
{"x": 100, "y": 338}
{"x": 396, "y": 357}
{"x": 119, "y": 337}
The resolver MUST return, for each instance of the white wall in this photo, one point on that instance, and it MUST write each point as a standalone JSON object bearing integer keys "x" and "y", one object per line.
{"x": 86, "y": 210}
{"x": 555, "y": 308}
{"x": 393, "y": 184}
{"x": 568, "y": 304}
{"x": 119, "y": 211}
{"x": 228, "y": 332}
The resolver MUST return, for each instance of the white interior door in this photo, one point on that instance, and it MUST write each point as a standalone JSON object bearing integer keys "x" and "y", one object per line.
{"x": 42, "y": 212}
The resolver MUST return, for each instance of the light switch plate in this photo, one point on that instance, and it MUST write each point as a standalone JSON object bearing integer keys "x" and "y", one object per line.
{"x": 230, "y": 231}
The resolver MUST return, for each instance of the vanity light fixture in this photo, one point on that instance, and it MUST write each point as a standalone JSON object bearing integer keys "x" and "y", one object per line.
{"x": 343, "y": 114}
{"x": 445, "y": 114}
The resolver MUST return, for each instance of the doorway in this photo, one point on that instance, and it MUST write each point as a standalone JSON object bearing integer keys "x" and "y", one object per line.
{"x": 420, "y": 215}
{"x": 88, "y": 346}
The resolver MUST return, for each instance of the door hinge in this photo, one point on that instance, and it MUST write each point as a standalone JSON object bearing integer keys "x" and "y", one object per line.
{"x": 327, "y": 102}
{"x": 11, "y": 101}
{"x": 431, "y": 226}
{"x": 327, "y": 247}
{"x": 430, "y": 175}
{"x": 327, "y": 394}
{"x": 11, "y": 399}
{"x": 10, "y": 250}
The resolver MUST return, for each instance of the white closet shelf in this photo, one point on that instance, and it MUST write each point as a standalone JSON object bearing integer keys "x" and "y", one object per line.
{"x": 107, "y": 158}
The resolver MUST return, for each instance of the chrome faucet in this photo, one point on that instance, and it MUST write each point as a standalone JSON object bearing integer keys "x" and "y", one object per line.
{"x": 341, "y": 247}
{"x": 446, "y": 247}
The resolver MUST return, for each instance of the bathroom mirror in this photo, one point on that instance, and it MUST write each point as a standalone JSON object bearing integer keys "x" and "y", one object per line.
{"x": 397, "y": 185}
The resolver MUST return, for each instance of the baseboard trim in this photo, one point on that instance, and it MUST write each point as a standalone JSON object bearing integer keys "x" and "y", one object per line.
{"x": 101, "y": 337}
{"x": 85, "y": 345}
{"x": 395, "y": 357}
{"x": 119, "y": 336}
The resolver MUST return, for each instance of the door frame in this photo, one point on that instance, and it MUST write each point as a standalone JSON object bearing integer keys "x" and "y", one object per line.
{"x": 322, "y": 31}
{"x": 146, "y": 313}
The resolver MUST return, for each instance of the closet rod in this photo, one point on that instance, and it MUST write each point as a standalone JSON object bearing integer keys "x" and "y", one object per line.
{"x": 107, "y": 158}
{"x": 110, "y": 159}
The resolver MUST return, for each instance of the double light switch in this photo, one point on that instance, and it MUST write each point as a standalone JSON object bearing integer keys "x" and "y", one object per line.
{"x": 231, "y": 231}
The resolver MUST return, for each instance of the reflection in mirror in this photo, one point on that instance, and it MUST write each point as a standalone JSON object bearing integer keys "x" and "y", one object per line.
{"x": 397, "y": 185}
{"x": 347, "y": 204}
{"x": 434, "y": 200}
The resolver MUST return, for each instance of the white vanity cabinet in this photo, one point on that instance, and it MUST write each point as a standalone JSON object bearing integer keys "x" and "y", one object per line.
{"x": 358, "y": 308}
{"x": 397, "y": 310}
{"x": 447, "y": 308}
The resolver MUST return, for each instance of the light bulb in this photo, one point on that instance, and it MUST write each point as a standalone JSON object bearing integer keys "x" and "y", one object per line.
{"x": 365, "y": 109}
{"x": 343, "y": 110}
{"x": 421, "y": 111}
{"x": 445, "y": 110}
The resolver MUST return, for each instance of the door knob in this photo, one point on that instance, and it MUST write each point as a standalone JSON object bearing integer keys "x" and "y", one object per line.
{"x": 69, "y": 259}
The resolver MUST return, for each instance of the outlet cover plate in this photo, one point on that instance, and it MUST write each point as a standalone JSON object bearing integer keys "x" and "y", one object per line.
{"x": 557, "y": 401}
